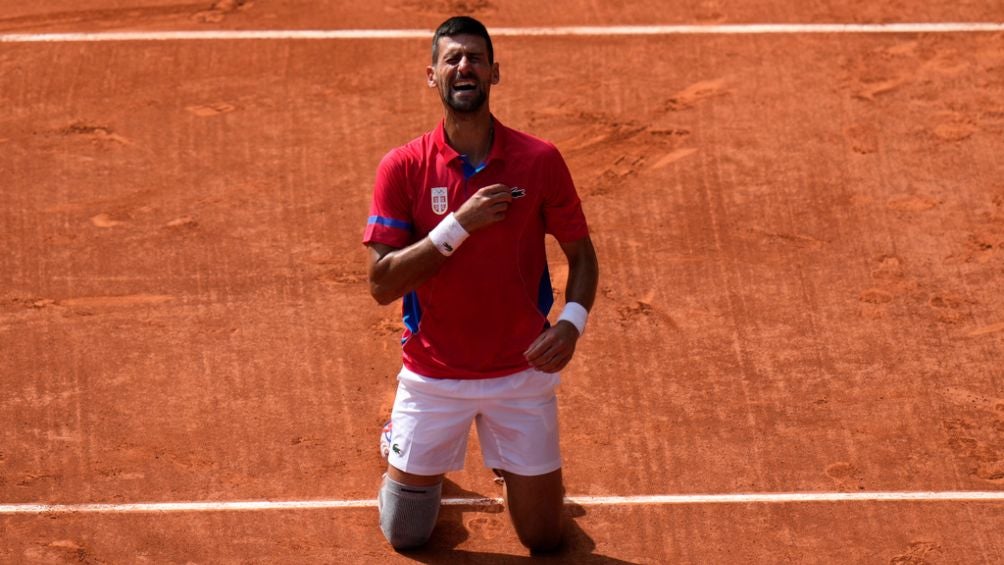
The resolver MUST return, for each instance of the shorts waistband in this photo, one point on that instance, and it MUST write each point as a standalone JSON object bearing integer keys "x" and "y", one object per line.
{"x": 527, "y": 383}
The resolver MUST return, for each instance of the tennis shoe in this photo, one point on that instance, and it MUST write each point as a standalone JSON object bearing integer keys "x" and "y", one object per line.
{"x": 385, "y": 439}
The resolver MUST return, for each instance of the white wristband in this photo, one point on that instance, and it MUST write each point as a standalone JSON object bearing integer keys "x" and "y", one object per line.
{"x": 448, "y": 235}
{"x": 576, "y": 314}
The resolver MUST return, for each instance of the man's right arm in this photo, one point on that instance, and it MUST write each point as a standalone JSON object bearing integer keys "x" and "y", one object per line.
{"x": 394, "y": 272}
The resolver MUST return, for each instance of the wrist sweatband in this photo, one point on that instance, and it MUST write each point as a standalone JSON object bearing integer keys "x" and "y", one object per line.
{"x": 576, "y": 314}
{"x": 448, "y": 235}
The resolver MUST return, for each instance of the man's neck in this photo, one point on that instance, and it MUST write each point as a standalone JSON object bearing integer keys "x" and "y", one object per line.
{"x": 470, "y": 134}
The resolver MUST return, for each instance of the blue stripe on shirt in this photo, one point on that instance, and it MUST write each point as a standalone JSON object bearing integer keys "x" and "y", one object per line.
{"x": 389, "y": 222}
{"x": 545, "y": 294}
{"x": 412, "y": 312}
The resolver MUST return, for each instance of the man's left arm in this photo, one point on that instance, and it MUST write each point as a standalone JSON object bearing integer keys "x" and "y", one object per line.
{"x": 553, "y": 349}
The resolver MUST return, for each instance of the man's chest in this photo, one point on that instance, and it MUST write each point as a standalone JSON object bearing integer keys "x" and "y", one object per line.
{"x": 439, "y": 191}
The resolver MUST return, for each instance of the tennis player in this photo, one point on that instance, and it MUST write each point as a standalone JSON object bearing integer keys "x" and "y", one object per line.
{"x": 457, "y": 228}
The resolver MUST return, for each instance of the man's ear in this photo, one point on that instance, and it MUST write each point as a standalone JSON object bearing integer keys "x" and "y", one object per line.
{"x": 430, "y": 76}
{"x": 495, "y": 73}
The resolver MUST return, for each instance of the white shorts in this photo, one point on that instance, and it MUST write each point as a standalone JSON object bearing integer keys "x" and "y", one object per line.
{"x": 516, "y": 415}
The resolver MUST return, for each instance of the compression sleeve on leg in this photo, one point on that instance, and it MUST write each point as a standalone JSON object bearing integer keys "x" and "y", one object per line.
{"x": 407, "y": 513}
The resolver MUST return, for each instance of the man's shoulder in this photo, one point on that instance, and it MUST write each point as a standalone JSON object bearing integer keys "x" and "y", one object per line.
{"x": 407, "y": 158}
{"x": 521, "y": 141}
{"x": 417, "y": 148}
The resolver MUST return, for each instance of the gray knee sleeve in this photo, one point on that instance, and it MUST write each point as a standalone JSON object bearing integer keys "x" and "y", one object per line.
{"x": 408, "y": 514}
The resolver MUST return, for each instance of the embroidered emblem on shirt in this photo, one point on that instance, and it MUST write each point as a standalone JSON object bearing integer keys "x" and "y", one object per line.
{"x": 517, "y": 192}
{"x": 440, "y": 201}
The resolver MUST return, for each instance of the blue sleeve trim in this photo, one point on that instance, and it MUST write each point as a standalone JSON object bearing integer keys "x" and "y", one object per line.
{"x": 389, "y": 222}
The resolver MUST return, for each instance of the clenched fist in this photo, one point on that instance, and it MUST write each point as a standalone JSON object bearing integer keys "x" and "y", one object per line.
{"x": 486, "y": 207}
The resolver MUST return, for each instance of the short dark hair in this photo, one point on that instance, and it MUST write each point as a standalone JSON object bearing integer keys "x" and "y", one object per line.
{"x": 461, "y": 25}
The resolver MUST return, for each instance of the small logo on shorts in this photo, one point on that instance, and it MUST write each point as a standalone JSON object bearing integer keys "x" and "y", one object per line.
{"x": 396, "y": 449}
{"x": 440, "y": 200}
{"x": 517, "y": 192}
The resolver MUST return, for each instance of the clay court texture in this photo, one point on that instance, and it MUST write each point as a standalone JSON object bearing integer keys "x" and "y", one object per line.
{"x": 795, "y": 354}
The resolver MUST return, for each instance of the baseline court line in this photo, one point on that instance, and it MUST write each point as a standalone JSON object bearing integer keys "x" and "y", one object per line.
{"x": 731, "y": 29}
{"x": 652, "y": 500}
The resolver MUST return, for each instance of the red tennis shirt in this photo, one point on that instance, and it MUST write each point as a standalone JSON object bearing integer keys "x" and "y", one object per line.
{"x": 484, "y": 307}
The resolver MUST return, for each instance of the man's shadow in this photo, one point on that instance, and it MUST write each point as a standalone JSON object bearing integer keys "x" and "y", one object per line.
{"x": 491, "y": 523}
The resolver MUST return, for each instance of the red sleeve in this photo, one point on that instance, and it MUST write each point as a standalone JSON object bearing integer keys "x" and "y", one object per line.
{"x": 390, "y": 220}
{"x": 563, "y": 216}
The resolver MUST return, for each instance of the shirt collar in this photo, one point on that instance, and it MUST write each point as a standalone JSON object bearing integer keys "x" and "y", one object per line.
{"x": 494, "y": 154}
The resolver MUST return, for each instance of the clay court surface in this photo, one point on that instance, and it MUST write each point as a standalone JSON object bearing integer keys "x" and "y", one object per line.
{"x": 801, "y": 239}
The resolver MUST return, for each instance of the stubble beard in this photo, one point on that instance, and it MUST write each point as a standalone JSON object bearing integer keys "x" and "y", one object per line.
{"x": 464, "y": 106}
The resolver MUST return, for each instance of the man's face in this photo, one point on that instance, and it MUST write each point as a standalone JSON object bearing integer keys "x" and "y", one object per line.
{"x": 462, "y": 73}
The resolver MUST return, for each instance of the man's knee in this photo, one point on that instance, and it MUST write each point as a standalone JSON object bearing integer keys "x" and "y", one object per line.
{"x": 408, "y": 513}
{"x": 536, "y": 507}
{"x": 542, "y": 542}
{"x": 541, "y": 536}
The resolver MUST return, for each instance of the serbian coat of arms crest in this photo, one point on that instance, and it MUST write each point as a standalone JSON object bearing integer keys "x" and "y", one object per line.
{"x": 440, "y": 201}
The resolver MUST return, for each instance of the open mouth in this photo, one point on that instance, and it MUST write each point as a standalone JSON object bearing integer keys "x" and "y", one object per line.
{"x": 464, "y": 86}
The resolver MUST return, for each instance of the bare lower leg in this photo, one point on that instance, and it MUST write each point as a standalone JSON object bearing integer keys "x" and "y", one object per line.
{"x": 536, "y": 507}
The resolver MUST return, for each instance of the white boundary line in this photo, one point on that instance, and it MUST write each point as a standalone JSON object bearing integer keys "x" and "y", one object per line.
{"x": 733, "y": 29}
{"x": 653, "y": 500}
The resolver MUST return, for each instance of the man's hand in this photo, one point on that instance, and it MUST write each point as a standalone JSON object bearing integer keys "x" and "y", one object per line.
{"x": 487, "y": 206}
{"x": 553, "y": 349}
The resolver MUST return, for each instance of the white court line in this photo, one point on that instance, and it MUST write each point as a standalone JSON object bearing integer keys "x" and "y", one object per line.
{"x": 652, "y": 500}
{"x": 731, "y": 29}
